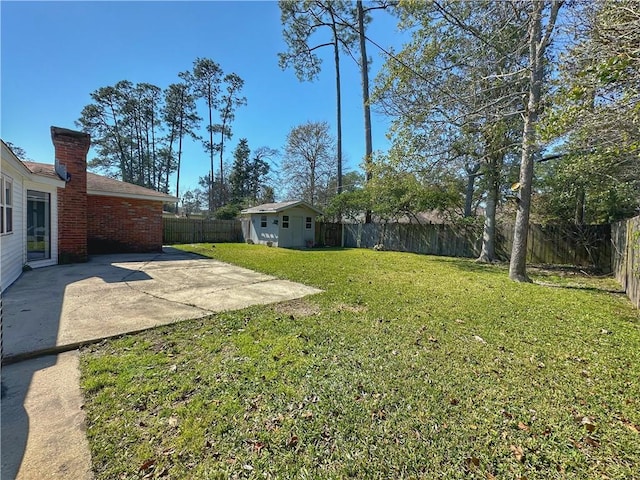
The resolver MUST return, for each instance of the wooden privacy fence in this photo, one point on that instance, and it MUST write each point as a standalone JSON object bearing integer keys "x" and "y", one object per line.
{"x": 198, "y": 230}
{"x": 625, "y": 238}
{"x": 430, "y": 239}
{"x": 579, "y": 245}
{"x": 586, "y": 246}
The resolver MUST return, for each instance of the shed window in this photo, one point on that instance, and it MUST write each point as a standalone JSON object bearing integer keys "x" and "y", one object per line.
{"x": 285, "y": 221}
{"x": 308, "y": 223}
{"x": 6, "y": 205}
{"x": 263, "y": 221}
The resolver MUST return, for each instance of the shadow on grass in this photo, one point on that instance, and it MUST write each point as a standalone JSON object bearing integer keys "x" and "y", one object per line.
{"x": 580, "y": 287}
{"x": 472, "y": 266}
{"x": 538, "y": 274}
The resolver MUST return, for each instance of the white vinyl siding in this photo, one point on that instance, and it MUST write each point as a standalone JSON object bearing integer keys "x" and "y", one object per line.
{"x": 264, "y": 228}
{"x": 12, "y": 243}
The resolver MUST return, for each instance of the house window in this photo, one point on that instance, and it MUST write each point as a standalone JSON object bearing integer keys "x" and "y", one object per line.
{"x": 263, "y": 221}
{"x": 285, "y": 221}
{"x": 6, "y": 205}
{"x": 308, "y": 223}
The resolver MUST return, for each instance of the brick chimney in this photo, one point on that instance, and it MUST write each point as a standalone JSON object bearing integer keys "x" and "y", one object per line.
{"x": 71, "y": 150}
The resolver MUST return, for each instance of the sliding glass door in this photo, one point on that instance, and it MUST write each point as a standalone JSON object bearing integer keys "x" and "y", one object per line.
{"x": 38, "y": 225}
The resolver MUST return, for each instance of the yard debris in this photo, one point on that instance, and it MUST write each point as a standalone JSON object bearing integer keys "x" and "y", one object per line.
{"x": 588, "y": 423}
{"x": 518, "y": 452}
{"x": 631, "y": 426}
{"x": 478, "y": 338}
{"x": 472, "y": 463}
{"x": 592, "y": 442}
{"x": 147, "y": 465}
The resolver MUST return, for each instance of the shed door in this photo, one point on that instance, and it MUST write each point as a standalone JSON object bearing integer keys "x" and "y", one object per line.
{"x": 297, "y": 234}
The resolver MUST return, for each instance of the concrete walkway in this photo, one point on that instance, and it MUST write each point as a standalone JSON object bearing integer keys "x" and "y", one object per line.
{"x": 56, "y": 309}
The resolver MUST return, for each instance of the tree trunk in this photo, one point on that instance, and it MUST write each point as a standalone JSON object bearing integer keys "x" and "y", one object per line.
{"x": 364, "y": 70}
{"x": 518, "y": 263}
{"x": 210, "y": 105}
{"x": 336, "y": 59}
{"x": 178, "y": 166}
{"x": 488, "y": 253}
{"x": 580, "y": 203}
{"x": 224, "y": 126}
{"x": 472, "y": 173}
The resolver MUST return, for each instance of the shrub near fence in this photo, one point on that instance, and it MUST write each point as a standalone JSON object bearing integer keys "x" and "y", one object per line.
{"x": 579, "y": 245}
{"x": 198, "y": 230}
{"x": 431, "y": 239}
{"x": 585, "y": 246}
{"x": 625, "y": 238}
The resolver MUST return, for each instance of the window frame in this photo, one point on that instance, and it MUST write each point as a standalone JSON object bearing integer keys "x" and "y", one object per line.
{"x": 308, "y": 221}
{"x": 285, "y": 221}
{"x": 6, "y": 206}
{"x": 263, "y": 221}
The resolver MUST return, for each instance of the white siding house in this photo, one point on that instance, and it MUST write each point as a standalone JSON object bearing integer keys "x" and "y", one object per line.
{"x": 28, "y": 218}
{"x": 284, "y": 224}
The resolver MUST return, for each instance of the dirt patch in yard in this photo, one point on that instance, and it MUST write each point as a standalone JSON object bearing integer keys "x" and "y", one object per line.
{"x": 345, "y": 307}
{"x": 297, "y": 308}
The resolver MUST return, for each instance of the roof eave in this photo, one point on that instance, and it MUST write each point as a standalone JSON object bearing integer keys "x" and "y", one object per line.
{"x": 134, "y": 196}
{"x": 250, "y": 211}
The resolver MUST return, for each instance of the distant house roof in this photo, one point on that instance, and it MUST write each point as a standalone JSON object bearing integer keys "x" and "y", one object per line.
{"x": 279, "y": 207}
{"x": 105, "y": 186}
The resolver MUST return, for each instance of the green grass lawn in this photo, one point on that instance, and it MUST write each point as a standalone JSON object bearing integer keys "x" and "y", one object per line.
{"x": 408, "y": 366}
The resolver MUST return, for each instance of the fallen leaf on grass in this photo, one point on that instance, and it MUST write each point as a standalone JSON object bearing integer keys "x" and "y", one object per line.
{"x": 592, "y": 441}
{"x": 472, "y": 462}
{"x": 293, "y": 441}
{"x": 147, "y": 464}
{"x": 518, "y": 452}
{"x": 588, "y": 423}
{"x": 631, "y": 426}
{"x": 523, "y": 426}
{"x": 478, "y": 338}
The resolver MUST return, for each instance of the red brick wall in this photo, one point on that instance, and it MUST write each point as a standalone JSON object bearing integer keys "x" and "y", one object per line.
{"x": 119, "y": 225}
{"x": 71, "y": 152}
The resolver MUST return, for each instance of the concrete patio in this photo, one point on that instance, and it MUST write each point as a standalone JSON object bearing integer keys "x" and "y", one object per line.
{"x": 56, "y": 309}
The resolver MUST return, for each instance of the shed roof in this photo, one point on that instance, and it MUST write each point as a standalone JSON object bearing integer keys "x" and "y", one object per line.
{"x": 280, "y": 206}
{"x": 99, "y": 185}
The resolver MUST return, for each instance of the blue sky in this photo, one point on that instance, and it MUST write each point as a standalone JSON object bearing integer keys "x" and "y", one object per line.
{"x": 54, "y": 54}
